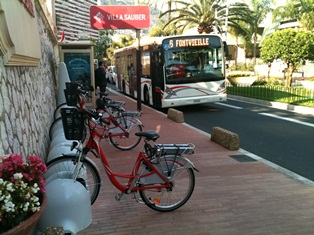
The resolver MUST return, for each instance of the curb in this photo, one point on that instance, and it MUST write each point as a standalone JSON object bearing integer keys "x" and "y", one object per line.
{"x": 276, "y": 105}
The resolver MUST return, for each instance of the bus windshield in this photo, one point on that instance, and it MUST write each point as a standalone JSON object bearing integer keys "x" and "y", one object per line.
{"x": 194, "y": 64}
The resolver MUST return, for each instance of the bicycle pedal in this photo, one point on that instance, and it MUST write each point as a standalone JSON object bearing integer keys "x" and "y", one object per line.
{"x": 118, "y": 196}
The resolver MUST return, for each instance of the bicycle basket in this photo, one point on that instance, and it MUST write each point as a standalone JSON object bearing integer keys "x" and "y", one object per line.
{"x": 73, "y": 123}
{"x": 71, "y": 94}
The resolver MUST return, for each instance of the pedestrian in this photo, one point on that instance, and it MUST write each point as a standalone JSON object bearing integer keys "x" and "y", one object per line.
{"x": 100, "y": 76}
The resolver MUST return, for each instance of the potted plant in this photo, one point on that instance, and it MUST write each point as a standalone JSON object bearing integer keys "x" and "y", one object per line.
{"x": 22, "y": 193}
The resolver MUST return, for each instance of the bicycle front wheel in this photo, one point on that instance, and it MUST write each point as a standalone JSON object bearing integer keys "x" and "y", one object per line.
{"x": 170, "y": 199}
{"x": 129, "y": 140}
{"x": 63, "y": 168}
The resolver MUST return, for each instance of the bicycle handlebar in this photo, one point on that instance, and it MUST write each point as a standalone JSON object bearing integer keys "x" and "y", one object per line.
{"x": 96, "y": 115}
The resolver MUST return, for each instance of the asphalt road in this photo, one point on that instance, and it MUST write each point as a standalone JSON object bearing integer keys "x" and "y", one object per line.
{"x": 282, "y": 137}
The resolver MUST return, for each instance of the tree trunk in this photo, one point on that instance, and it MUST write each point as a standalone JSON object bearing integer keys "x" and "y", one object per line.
{"x": 236, "y": 53}
{"x": 169, "y": 9}
{"x": 254, "y": 48}
{"x": 289, "y": 72}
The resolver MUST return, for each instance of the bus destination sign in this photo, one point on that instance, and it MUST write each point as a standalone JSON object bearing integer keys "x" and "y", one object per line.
{"x": 189, "y": 42}
{"x": 120, "y": 17}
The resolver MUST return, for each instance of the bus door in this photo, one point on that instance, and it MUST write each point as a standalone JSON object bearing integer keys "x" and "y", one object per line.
{"x": 157, "y": 78}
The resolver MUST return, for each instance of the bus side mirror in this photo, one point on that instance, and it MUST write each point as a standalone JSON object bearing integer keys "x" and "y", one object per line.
{"x": 226, "y": 49}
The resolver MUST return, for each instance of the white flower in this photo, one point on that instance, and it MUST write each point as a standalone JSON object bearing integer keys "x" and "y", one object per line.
{"x": 1, "y": 181}
{"x": 9, "y": 206}
{"x": 18, "y": 176}
{"x": 35, "y": 190}
{"x": 35, "y": 199}
{"x": 10, "y": 187}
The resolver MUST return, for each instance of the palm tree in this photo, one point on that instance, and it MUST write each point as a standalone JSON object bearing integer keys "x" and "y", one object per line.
{"x": 207, "y": 15}
{"x": 240, "y": 31}
{"x": 259, "y": 9}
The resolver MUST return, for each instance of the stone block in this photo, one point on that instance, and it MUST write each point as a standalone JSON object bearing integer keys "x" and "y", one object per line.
{"x": 225, "y": 138}
{"x": 175, "y": 115}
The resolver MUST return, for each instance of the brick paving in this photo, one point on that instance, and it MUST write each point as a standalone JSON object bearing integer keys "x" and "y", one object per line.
{"x": 230, "y": 197}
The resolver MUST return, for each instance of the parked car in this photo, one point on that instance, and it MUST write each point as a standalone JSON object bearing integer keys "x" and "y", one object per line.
{"x": 112, "y": 76}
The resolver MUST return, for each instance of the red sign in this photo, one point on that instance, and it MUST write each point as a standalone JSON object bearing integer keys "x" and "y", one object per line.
{"x": 119, "y": 17}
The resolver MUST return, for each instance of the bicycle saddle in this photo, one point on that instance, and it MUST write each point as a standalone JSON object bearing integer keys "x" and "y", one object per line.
{"x": 149, "y": 135}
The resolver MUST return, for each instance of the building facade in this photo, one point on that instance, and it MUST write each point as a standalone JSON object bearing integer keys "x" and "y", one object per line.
{"x": 73, "y": 19}
{"x": 28, "y": 77}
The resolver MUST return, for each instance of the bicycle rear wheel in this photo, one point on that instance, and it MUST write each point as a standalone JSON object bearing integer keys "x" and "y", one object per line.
{"x": 170, "y": 199}
{"x": 63, "y": 168}
{"x": 130, "y": 141}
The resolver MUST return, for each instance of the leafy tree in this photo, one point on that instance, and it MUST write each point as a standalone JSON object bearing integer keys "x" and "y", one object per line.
{"x": 301, "y": 10}
{"x": 292, "y": 46}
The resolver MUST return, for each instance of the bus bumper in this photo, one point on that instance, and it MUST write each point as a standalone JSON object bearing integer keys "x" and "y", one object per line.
{"x": 166, "y": 103}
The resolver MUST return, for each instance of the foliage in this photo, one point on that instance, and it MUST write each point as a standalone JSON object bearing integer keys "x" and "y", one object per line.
{"x": 159, "y": 31}
{"x": 301, "y": 10}
{"x": 242, "y": 67}
{"x": 294, "y": 96}
{"x": 292, "y": 46}
{"x": 234, "y": 75}
{"x": 102, "y": 44}
{"x": 21, "y": 186}
{"x": 208, "y": 15}
{"x": 259, "y": 82}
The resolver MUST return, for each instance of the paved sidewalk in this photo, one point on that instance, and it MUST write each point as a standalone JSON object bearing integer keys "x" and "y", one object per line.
{"x": 234, "y": 194}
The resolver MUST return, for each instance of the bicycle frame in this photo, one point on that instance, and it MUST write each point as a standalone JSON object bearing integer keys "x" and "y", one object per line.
{"x": 136, "y": 174}
{"x": 116, "y": 125}
{"x": 109, "y": 117}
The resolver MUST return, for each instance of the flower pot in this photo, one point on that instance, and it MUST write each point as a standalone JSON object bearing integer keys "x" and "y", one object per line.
{"x": 26, "y": 227}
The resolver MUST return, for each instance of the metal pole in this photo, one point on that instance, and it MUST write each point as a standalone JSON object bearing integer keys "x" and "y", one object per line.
{"x": 226, "y": 22}
{"x": 139, "y": 71}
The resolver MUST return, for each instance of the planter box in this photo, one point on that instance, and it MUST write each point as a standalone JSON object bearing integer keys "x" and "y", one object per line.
{"x": 243, "y": 81}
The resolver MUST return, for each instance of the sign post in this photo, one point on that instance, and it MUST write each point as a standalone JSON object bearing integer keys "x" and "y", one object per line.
{"x": 123, "y": 17}
{"x": 139, "y": 73}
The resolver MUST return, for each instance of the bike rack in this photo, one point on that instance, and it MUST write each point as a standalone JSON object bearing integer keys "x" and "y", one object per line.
{"x": 68, "y": 201}
{"x": 68, "y": 206}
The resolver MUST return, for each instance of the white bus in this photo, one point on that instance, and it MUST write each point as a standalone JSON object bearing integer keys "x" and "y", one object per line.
{"x": 175, "y": 70}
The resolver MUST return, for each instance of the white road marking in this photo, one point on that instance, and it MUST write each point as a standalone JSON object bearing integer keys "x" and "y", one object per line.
{"x": 228, "y": 105}
{"x": 288, "y": 119}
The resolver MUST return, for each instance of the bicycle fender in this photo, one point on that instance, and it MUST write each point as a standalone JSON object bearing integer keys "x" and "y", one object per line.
{"x": 133, "y": 121}
{"x": 168, "y": 166}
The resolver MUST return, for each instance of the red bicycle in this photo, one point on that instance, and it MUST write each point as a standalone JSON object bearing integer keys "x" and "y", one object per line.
{"x": 162, "y": 178}
{"x": 122, "y": 124}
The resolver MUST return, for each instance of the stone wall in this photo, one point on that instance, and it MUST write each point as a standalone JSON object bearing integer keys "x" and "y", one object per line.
{"x": 28, "y": 100}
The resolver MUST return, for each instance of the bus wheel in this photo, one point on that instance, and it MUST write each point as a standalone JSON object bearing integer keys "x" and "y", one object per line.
{"x": 146, "y": 96}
